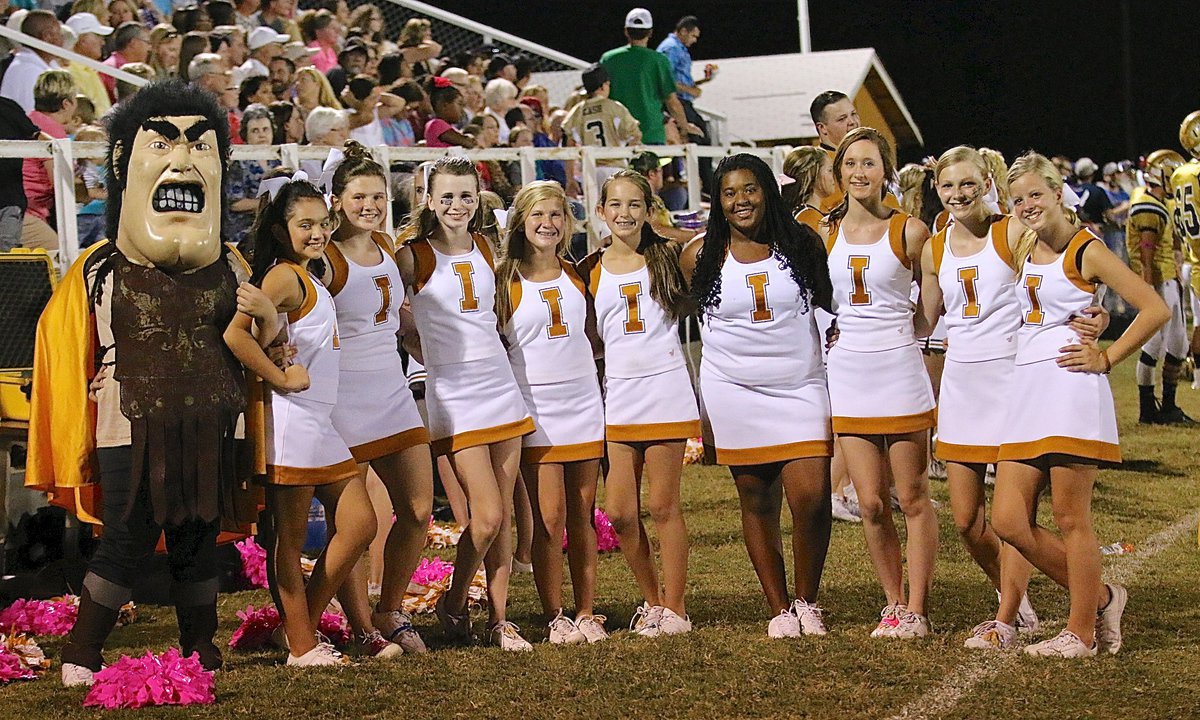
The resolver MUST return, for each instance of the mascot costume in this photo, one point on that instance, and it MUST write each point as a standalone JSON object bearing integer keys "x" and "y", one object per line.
{"x": 135, "y": 396}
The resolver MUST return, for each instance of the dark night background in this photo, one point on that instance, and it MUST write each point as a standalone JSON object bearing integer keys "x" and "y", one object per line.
{"x": 1008, "y": 75}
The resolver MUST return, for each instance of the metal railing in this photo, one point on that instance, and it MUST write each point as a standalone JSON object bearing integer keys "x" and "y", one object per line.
{"x": 66, "y": 152}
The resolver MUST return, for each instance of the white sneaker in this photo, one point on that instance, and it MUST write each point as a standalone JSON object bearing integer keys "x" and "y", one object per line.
{"x": 889, "y": 618}
{"x": 846, "y": 509}
{"x": 989, "y": 476}
{"x": 374, "y": 645}
{"x": 911, "y": 626}
{"x": 397, "y": 627}
{"x": 1108, "y": 621}
{"x": 647, "y": 620}
{"x": 937, "y": 469}
{"x": 592, "y": 627}
{"x": 674, "y": 624}
{"x": 507, "y": 636}
{"x": 784, "y": 625}
{"x": 1066, "y": 644}
{"x": 992, "y": 635}
{"x": 322, "y": 655}
{"x": 1027, "y": 619}
{"x": 564, "y": 632}
{"x": 77, "y": 676}
{"x": 519, "y": 567}
{"x": 809, "y": 616}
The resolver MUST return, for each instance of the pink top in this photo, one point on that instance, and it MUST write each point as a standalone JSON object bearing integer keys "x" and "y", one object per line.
{"x": 39, "y": 187}
{"x": 326, "y": 58}
{"x": 434, "y": 130}
{"x": 116, "y": 60}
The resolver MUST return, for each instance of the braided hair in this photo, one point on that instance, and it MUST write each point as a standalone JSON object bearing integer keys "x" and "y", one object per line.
{"x": 796, "y": 247}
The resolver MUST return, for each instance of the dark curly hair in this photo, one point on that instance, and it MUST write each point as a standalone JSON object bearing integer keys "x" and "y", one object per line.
{"x": 796, "y": 247}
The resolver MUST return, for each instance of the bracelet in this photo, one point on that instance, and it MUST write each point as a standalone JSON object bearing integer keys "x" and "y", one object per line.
{"x": 1107, "y": 362}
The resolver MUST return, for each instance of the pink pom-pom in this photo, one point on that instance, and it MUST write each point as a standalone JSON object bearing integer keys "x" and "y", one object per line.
{"x": 256, "y": 628}
{"x": 430, "y": 572}
{"x": 606, "y": 537}
{"x": 12, "y": 668}
{"x": 334, "y": 627}
{"x": 39, "y": 617}
{"x": 254, "y": 562}
{"x": 167, "y": 679}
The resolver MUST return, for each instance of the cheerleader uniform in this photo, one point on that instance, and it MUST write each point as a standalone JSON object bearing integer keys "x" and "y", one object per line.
{"x": 471, "y": 395}
{"x": 648, "y": 394}
{"x": 763, "y": 393}
{"x": 552, "y": 360}
{"x": 982, "y": 317}
{"x": 877, "y": 379}
{"x": 375, "y": 413}
{"x": 1049, "y": 409}
{"x": 303, "y": 447}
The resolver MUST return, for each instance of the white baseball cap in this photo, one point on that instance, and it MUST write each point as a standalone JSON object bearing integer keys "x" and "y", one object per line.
{"x": 263, "y": 36}
{"x": 85, "y": 22}
{"x": 639, "y": 18}
{"x": 15, "y": 20}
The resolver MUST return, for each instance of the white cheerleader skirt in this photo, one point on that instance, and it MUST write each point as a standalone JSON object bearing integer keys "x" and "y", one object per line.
{"x": 754, "y": 425}
{"x": 474, "y": 403}
{"x": 971, "y": 407}
{"x": 302, "y": 445}
{"x": 886, "y": 392}
{"x": 654, "y": 408}
{"x": 1053, "y": 411}
{"x": 376, "y": 414}
{"x": 568, "y": 420}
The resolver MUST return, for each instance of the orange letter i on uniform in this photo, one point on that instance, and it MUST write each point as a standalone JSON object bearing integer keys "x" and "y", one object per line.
{"x": 858, "y": 264}
{"x": 758, "y": 285}
{"x": 966, "y": 278}
{"x": 466, "y": 273}
{"x": 633, "y": 312}
{"x": 553, "y": 299}
{"x": 1035, "y": 315}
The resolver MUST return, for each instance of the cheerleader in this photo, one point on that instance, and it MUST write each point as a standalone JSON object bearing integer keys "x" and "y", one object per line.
{"x": 305, "y": 454}
{"x": 477, "y": 414}
{"x": 1060, "y": 423}
{"x": 879, "y": 391}
{"x": 543, "y": 309}
{"x": 649, "y": 407}
{"x": 811, "y": 169}
{"x": 375, "y": 413}
{"x": 758, "y": 276}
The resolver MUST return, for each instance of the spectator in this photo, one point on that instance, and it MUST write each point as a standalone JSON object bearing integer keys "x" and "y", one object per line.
{"x": 368, "y": 20}
{"x": 277, "y": 15}
{"x": 221, "y": 13}
{"x": 500, "y": 96}
{"x": 833, "y": 115}
{"x": 283, "y": 75}
{"x": 120, "y": 12}
{"x": 191, "y": 45}
{"x": 313, "y": 91}
{"x": 193, "y": 18}
{"x": 352, "y": 60}
{"x": 265, "y": 44}
{"x": 207, "y": 71}
{"x": 520, "y": 137}
{"x": 326, "y": 126}
{"x": 300, "y": 55}
{"x": 229, "y": 41}
{"x": 255, "y": 90}
{"x": 14, "y": 125}
{"x": 642, "y": 81}
{"x": 402, "y": 132}
{"x": 90, "y": 172}
{"x": 95, "y": 7}
{"x": 126, "y": 88}
{"x": 85, "y": 111}
{"x": 131, "y": 43}
{"x": 418, "y": 46}
{"x": 538, "y": 93}
{"x": 90, "y": 44}
{"x": 321, "y": 33}
{"x": 650, "y": 166}
{"x": 447, "y": 104}
{"x": 500, "y": 66}
{"x": 517, "y": 117}
{"x": 555, "y": 170}
{"x": 598, "y": 121}
{"x": 289, "y": 125}
{"x": 677, "y": 48}
{"x": 1118, "y": 185}
{"x": 246, "y": 11}
{"x": 165, "y": 44}
{"x": 53, "y": 110}
{"x": 1066, "y": 168}
{"x": 493, "y": 176}
{"x": 244, "y": 176}
{"x": 1094, "y": 202}
{"x": 28, "y": 64}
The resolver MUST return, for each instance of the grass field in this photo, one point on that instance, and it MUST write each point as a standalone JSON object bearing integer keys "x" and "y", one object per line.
{"x": 728, "y": 668}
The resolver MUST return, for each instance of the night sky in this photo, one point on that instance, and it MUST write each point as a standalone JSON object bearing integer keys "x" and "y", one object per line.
{"x": 1009, "y": 75}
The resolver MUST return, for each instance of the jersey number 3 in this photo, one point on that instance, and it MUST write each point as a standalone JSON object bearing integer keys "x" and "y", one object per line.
{"x": 466, "y": 278}
{"x": 1035, "y": 316}
{"x": 632, "y": 294}
{"x": 383, "y": 284}
{"x": 553, "y": 299}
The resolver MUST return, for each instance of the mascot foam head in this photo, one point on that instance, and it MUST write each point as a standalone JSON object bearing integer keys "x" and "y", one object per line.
{"x": 168, "y": 149}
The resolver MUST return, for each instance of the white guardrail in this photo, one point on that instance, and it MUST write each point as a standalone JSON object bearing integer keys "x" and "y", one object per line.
{"x": 65, "y": 152}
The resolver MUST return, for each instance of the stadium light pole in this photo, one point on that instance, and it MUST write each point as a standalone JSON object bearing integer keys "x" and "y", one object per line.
{"x": 802, "y": 19}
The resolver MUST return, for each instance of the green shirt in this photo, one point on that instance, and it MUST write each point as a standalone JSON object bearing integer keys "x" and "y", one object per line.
{"x": 641, "y": 81}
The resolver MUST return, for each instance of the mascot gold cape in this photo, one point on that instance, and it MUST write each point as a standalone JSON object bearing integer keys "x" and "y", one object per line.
{"x": 135, "y": 393}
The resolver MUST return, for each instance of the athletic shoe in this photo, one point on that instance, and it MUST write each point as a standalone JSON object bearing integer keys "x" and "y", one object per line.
{"x": 989, "y": 476}
{"x": 322, "y": 655}
{"x": 1108, "y": 621}
{"x": 456, "y": 627}
{"x": 937, "y": 469}
{"x": 592, "y": 627}
{"x": 1027, "y": 619}
{"x": 279, "y": 638}
{"x": 992, "y": 635}
{"x": 374, "y": 645}
{"x": 784, "y": 625}
{"x": 397, "y": 627}
{"x": 521, "y": 567}
{"x": 845, "y": 509}
{"x": 507, "y": 636}
{"x": 1066, "y": 644}
{"x": 647, "y": 620}
{"x": 809, "y": 616}
{"x": 674, "y": 624}
{"x": 564, "y": 632}
{"x": 77, "y": 675}
{"x": 889, "y": 618}
{"x": 911, "y": 625}
{"x": 1174, "y": 416}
